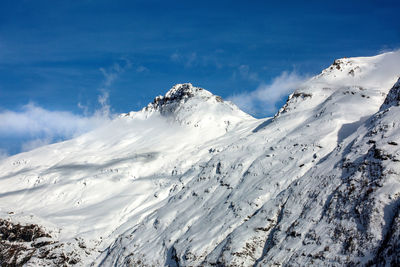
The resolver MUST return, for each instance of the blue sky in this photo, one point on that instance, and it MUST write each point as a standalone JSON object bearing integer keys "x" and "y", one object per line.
{"x": 59, "y": 58}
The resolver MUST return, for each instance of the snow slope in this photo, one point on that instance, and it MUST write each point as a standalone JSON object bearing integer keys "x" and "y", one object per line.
{"x": 192, "y": 180}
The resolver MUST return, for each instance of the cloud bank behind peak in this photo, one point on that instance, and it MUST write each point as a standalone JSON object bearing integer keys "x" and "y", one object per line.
{"x": 265, "y": 98}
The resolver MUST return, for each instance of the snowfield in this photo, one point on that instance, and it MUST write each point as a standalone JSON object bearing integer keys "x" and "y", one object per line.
{"x": 191, "y": 180}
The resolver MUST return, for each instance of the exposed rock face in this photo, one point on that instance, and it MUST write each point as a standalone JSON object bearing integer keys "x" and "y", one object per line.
{"x": 20, "y": 244}
{"x": 179, "y": 95}
{"x": 393, "y": 98}
{"x": 176, "y": 96}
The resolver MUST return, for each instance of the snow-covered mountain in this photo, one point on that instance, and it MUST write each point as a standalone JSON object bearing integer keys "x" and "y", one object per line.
{"x": 191, "y": 180}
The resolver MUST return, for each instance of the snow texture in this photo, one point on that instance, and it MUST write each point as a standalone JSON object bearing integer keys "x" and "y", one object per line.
{"x": 191, "y": 180}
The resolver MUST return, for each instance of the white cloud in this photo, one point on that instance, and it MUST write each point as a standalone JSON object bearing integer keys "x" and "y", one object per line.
{"x": 40, "y": 126}
{"x": 105, "y": 108}
{"x": 263, "y": 100}
{"x": 44, "y": 126}
{"x": 84, "y": 108}
{"x": 110, "y": 74}
{"x": 109, "y": 77}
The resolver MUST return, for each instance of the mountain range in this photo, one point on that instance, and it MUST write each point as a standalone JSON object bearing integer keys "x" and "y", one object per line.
{"x": 191, "y": 180}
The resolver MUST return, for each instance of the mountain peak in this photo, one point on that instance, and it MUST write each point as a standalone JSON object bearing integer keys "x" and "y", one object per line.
{"x": 346, "y": 68}
{"x": 178, "y": 95}
{"x": 183, "y": 90}
{"x": 378, "y": 71}
{"x": 190, "y": 105}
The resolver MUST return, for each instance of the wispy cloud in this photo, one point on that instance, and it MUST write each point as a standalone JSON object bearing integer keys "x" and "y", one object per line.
{"x": 194, "y": 59}
{"x": 40, "y": 126}
{"x": 188, "y": 60}
{"x": 245, "y": 73}
{"x": 263, "y": 100}
{"x": 105, "y": 107}
{"x": 142, "y": 69}
{"x": 33, "y": 120}
{"x": 114, "y": 71}
{"x": 111, "y": 74}
{"x": 175, "y": 57}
